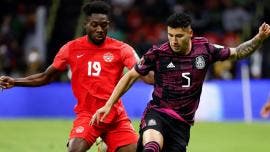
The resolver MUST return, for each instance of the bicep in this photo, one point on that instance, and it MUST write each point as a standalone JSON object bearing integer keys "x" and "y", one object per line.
{"x": 126, "y": 81}
{"x": 133, "y": 74}
{"x": 130, "y": 77}
{"x": 51, "y": 73}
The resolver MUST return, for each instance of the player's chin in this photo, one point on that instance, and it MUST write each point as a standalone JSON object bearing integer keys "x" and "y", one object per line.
{"x": 178, "y": 50}
{"x": 99, "y": 40}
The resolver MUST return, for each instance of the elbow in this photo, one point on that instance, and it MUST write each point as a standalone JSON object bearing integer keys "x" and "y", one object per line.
{"x": 149, "y": 78}
{"x": 44, "y": 80}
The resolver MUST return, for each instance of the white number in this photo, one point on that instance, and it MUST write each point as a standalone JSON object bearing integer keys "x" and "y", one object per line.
{"x": 94, "y": 68}
{"x": 185, "y": 75}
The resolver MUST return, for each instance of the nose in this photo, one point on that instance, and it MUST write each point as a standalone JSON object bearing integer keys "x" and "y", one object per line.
{"x": 174, "y": 40}
{"x": 99, "y": 28}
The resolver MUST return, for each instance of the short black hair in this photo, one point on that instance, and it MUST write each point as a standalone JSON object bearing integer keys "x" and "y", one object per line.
{"x": 181, "y": 20}
{"x": 96, "y": 6}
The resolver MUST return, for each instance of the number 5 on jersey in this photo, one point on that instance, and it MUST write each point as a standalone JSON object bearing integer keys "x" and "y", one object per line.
{"x": 186, "y": 79}
{"x": 94, "y": 68}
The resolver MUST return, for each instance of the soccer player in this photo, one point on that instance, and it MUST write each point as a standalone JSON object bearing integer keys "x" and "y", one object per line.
{"x": 180, "y": 66}
{"x": 97, "y": 62}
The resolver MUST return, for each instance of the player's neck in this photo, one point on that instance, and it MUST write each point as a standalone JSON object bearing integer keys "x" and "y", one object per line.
{"x": 189, "y": 48}
{"x": 94, "y": 43}
{"x": 186, "y": 50}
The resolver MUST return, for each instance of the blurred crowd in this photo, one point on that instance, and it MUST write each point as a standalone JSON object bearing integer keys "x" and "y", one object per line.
{"x": 140, "y": 23}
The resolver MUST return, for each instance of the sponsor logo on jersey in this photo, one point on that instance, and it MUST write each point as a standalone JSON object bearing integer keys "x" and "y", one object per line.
{"x": 79, "y": 129}
{"x": 152, "y": 122}
{"x": 108, "y": 57}
{"x": 170, "y": 65}
{"x": 200, "y": 62}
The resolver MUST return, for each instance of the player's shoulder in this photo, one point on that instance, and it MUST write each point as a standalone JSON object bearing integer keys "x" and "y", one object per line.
{"x": 157, "y": 49}
{"x": 199, "y": 40}
{"x": 76, "y": 42}
{"x": 115, "y": 43}
{"x": 163, "y": 47}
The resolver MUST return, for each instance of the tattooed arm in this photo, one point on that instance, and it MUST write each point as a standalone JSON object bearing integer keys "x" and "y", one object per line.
{"x": 245, "y": 49}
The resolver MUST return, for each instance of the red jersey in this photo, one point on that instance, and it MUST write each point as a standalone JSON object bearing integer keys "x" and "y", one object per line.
{"x": 95, "y": 69}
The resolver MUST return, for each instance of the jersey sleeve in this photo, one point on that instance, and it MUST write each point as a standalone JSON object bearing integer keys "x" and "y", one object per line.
{"x": 147, "y": 63}
{"x": 129, "y": 56}
{"x": 61, "y": 58}
{"x": 218, "y": 52}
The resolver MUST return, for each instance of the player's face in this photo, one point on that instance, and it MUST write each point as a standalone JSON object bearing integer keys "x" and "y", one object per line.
{"x": 180, "y": 39}
{"x": 96, "y": 27}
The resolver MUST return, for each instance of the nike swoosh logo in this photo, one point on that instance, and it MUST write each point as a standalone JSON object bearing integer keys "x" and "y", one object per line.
{"x": 79, "y": 56}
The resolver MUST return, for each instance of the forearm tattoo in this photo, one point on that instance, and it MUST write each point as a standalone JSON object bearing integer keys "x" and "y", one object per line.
{"x": 247, "y": 48}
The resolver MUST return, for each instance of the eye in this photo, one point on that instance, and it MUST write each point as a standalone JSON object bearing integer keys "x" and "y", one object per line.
{"x": 104, "y": 24}
{"x": 94, "y": 24}
{"x": 179, "y": 35}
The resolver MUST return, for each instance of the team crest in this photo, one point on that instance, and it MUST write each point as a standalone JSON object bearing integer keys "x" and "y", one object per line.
{"x": 108, "y": 57}
{"x": 79, "y": 129}
{"x": 200, "y": 62}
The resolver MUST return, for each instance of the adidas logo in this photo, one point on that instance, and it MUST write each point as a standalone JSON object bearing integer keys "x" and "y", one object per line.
{"x": 170, "y": 65}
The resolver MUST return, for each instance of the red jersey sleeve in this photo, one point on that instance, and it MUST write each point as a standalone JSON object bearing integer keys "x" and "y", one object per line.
{"x": 61, "y": 58}
{"x": 129, "y": 56}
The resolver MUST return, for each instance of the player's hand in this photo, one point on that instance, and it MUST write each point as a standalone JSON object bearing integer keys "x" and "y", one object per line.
{"x": 264, "y": 31}
{"x": 102, "y": 112}
{"x": 6, "y": 82}
{"x": 265, "y": 111}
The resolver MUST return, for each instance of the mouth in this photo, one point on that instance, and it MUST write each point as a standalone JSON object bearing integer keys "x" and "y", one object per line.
{"x": 176, "y": 46}
{"x": 100, "y": 37}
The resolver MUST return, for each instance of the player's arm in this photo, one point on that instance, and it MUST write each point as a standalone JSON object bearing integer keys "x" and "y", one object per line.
{"x": 149, "y": 78}
{"x": 265, "y": 111}
{"x": 122, "y": 86}
{"x": 33, "y": 80}
{"x": 245, "y": 49}
{"x": 130, "y": 57}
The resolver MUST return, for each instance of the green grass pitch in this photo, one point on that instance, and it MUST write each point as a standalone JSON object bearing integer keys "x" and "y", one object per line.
{"x": 51, "y": 135}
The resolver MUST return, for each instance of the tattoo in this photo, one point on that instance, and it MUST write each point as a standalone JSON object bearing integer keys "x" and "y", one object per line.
{"x": 248, "y": 47}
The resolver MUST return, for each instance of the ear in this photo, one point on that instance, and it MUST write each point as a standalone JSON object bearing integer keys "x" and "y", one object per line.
{"x": 84, "y": 23}
{"x": 191, "y": 33}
